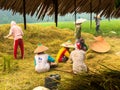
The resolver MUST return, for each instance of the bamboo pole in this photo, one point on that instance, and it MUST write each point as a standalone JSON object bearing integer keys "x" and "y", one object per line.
{"x": 55, "y": 5}
{"x": 90, "y": 14}
{"x": 75, "y": 9}
{"x": 24, "y": 13}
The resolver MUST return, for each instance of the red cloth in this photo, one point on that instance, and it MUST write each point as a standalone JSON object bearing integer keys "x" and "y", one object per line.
{"x": 18, "y": 42}
{"x": 78, "y": 45}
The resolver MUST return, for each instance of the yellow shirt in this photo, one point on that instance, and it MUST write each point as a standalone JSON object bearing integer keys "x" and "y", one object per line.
{"x": 62, "y": 52}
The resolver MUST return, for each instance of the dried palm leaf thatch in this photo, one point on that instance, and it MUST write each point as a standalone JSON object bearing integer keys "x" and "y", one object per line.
{"x": 109, "y": 8}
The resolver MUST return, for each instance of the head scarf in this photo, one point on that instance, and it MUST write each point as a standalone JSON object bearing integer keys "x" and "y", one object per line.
{"x": 13, "y": 23}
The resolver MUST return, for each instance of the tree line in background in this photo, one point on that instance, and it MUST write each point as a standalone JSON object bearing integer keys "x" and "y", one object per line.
{"x": 8, "y": 16}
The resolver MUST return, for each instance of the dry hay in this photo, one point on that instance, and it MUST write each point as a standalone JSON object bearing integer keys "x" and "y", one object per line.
{"x": 24, "y": 76}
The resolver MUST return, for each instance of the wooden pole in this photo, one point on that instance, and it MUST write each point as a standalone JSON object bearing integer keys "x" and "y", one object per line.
{"x": 99, "y": 6}
{"x": 56, "y": 12}
{"x": 90, "y": 14}
{"x": 75, "y": 9}
{"x": 55, "y": 3}
{"x": 24, "y": 13}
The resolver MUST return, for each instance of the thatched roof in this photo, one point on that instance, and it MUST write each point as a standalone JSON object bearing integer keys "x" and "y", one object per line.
{"x": 108, "y": 8}
{"x": 42, "y": 7}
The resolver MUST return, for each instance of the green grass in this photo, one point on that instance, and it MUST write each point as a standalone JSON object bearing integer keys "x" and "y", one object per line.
{"x": 61, "y": 25}
{"x": 22, "y": 76}
{"x": 105, "y": 26}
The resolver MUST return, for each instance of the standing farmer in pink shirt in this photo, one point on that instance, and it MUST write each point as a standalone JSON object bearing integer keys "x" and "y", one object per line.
{"x": 17, "y": 34}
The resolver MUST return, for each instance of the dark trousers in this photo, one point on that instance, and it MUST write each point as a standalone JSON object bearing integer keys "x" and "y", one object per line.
{"x": 97, "y": 28}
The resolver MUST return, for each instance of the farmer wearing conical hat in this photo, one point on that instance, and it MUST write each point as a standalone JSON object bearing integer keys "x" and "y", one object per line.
{"x": 78, "y": 28}
{"x": 17, "y": 34}
{"x": 78, "y": 37}
{"x": 78, "y": 56}
{"x": 43, "y": 61}
{"x": 64, "y": 53}
{"x": 97, "y": 21}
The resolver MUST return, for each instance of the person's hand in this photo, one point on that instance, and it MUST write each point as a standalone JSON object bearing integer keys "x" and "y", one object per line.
{"x": 5, "y": 37}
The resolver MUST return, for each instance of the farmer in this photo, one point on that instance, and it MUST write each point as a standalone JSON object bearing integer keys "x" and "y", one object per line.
{"x": 64, "y": 53}
{"x": 97, "y": 21}
{"x": 78, "y": 28}
{"x": 17, "y": 34}
{"x": 81, "y": 41}
{"x": 78, "y": 37}
{"x": 43, "y": 61}
{"x": 78, "y": 56}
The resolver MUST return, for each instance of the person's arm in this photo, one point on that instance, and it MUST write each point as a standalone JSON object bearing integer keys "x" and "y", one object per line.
{"x": 67, "y": 54}
{"x": 34, "y": 61}
{"x": 51, "y": 59}
{"x": 85, "y": 48}
{"x": 10, "y": 34}
{"x": 70, "y": 58}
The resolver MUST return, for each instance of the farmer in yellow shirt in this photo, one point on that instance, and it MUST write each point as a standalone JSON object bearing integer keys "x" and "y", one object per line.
{"x": 64, "y": 52}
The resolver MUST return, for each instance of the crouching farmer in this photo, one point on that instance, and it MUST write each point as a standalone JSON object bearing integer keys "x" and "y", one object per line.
{"x": 43, "y": 61}
{"x": 78, "y": 56}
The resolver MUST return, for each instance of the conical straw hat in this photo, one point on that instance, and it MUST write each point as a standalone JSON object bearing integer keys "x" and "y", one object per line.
{"x": 100, "y": 45}
{"x": 68, "y": 44}
{"x": 97, "y": 16}
{"x": 40, "y": 48}
{"x": 79, "y": 21}
{"x": 99, "y": 38}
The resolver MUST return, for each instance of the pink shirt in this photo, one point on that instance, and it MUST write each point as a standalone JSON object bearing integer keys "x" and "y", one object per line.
{"x": 16, "y": 31}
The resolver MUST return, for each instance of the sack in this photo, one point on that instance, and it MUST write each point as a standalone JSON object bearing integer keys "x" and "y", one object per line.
{"x": 52, "y": 81}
